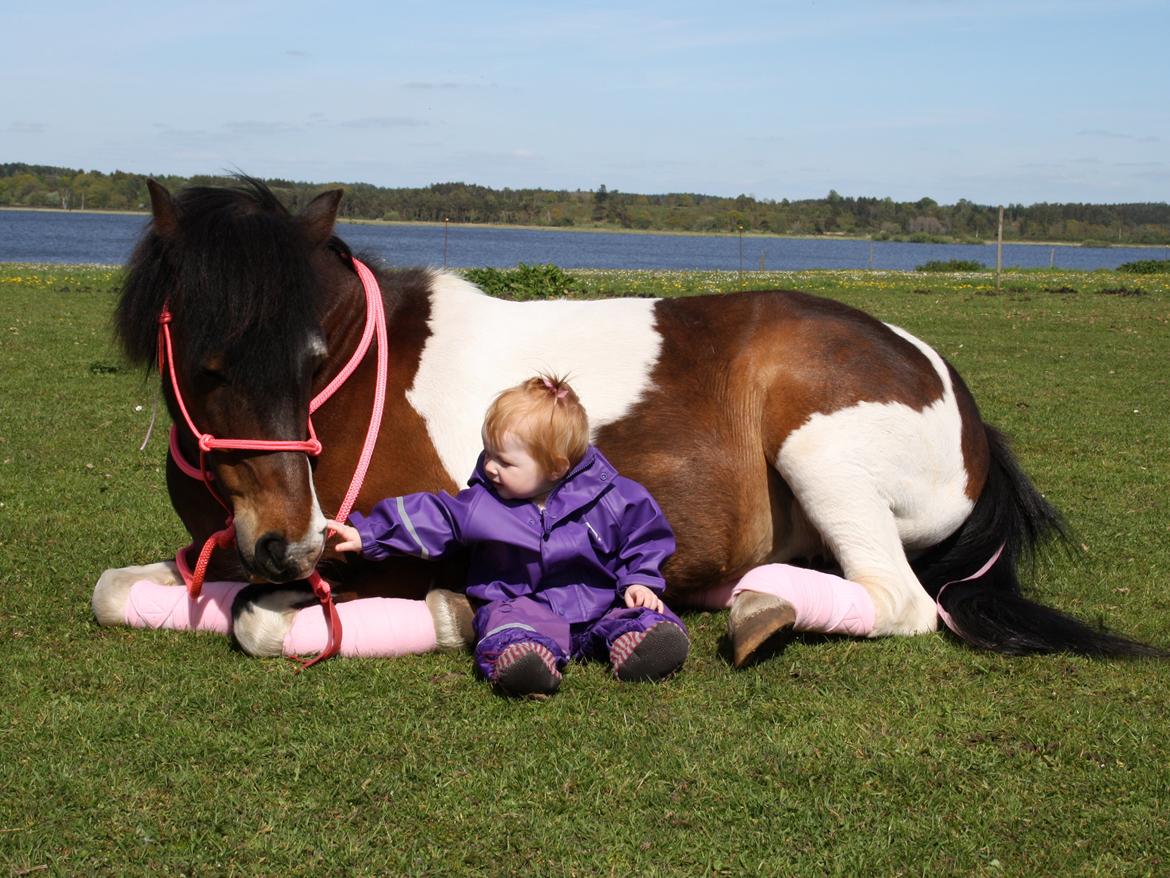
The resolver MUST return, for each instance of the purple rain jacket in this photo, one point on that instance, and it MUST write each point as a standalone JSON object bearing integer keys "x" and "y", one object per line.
{"x": 599, "y": 533}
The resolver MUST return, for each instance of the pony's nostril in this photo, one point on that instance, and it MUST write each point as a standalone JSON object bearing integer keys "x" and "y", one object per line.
{"x": 272, "y": 552}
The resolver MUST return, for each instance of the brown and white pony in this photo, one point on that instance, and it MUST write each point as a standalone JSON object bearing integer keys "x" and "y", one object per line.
{"x": 771, "y": 426}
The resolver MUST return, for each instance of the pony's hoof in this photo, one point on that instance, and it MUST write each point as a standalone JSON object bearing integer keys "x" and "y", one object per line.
{"x": 261, "y": 622}
{"x": 113, "y": 588}
{"x": 755, "y": 618}
{"x": 452, "y": 615}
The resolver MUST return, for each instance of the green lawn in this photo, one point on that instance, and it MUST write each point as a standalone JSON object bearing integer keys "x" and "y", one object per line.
{"x": 127, "y": 752}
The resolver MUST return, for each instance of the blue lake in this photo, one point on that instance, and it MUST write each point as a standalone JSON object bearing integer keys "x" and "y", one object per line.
{"x": 74, "y": 237}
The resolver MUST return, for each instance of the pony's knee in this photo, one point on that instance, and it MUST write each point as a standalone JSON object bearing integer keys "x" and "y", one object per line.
{"x": 113, "y": 588}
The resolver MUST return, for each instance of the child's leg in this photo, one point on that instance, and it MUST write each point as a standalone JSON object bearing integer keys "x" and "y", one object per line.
{"x": 370, "y": 628}
{"x": 640, "y": 644}
{"x": 522, "y": 645}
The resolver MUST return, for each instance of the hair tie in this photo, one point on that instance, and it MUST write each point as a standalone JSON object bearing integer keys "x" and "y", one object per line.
{"x": 558, "y": 392}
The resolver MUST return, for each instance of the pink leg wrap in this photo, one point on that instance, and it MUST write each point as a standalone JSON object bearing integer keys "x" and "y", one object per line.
{"x": 150, "y": 605}
{"x": 824, "y": 603}
{"x": 370, "y": 628}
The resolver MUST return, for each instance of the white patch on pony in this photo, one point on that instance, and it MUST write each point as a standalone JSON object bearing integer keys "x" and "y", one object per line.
{"x": 316, "y": 346}
{"x": 262, "y": 624}
{"x": 877, "y": 477}
{"x": 303, "y": 550}
{"x": 310, "y": 546}
{"x": 480, "y": 346}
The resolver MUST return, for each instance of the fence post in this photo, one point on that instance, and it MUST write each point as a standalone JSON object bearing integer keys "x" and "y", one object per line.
{"x": 999, "y": 251}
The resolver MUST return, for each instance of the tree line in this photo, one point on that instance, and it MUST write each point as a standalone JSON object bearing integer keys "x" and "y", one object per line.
{"x": 40, "y": 186}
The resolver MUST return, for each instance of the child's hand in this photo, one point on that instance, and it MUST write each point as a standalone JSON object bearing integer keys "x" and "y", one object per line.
{"x": 349, "y": 540}
{"x": 641, "y": 596}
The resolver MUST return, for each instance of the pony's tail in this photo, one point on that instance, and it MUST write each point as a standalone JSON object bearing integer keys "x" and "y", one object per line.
{"x": 991, "y": 612}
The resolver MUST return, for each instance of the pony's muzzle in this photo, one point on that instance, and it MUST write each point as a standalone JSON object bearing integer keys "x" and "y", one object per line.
{"x": 276, "y": 560}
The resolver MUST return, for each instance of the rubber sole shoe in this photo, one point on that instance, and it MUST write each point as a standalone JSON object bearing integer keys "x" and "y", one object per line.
{"x": 527, "y": 669}
{"x": 641, "y": 656}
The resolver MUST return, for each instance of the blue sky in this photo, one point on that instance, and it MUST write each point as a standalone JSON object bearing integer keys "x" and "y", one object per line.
{"x": 996, "y": 102}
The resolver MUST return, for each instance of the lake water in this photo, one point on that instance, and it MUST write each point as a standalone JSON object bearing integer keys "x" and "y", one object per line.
{"x": 75, "y": 237}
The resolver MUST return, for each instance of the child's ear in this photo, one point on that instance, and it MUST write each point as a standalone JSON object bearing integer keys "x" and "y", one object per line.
{"x": 560, "y": 467}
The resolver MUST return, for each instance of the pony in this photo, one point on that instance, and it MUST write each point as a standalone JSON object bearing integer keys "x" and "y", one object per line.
{"x": 771, "y": 426}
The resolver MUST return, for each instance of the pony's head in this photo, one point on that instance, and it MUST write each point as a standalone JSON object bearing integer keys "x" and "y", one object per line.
{"x": 237, "y": 273}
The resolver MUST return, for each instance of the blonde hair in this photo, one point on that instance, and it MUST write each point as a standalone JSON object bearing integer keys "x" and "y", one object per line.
{"x": 545, "y": 413}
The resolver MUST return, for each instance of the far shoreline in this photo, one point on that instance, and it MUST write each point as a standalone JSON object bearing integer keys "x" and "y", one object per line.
{"x": 617, "y": 230}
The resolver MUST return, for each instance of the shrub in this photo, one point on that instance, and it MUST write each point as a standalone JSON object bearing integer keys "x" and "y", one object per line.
{"x": 952, "y": 265}
{"x": 1122, "y": 291}
{"x": 1146, "y": 266}
{"x": 523, "y": 282}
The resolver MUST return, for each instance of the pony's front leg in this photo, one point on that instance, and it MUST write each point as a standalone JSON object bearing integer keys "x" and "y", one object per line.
{"x": 284, "y": 621}
{"x": 113, "y": 588}
{"x": 153, "y": 596}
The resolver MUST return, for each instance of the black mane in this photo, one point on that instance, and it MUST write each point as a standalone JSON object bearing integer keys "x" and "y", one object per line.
{"x": 237, "y": 279}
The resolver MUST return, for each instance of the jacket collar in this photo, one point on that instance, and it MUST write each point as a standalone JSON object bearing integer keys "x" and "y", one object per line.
{"x": 589, "y": 479}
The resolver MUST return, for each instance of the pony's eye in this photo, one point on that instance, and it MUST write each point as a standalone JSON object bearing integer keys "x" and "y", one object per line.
{"x": 213, "y": 375}
{"x": 318, "y": 363}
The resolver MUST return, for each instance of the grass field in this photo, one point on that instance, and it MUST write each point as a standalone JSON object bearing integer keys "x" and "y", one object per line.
{"x": 126, "y": 752}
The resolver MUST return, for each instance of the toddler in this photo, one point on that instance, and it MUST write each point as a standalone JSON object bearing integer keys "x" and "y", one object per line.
{"x": 565, "y": 552}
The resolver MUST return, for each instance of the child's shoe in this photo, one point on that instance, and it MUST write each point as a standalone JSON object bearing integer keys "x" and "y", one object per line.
{"x": 649, "y": 655}
{"x": 526, "y": 668}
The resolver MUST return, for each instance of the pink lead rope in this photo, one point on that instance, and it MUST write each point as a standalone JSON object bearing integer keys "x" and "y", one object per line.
{"x": 375, "y": 326}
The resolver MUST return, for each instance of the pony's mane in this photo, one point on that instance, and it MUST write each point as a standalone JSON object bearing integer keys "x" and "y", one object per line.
{"x": 236, "y": 276}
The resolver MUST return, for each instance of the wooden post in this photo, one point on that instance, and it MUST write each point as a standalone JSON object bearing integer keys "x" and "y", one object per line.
{"x": 999, "y": 251}
{"x": 445, "y": 221}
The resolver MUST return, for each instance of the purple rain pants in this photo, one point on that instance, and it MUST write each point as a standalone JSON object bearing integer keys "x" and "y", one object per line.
{"x": 499, "y": 624}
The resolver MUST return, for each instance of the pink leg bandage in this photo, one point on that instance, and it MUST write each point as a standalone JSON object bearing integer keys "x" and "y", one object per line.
{"x": 150, "y": 605}
{"x": 824, "y": 603}
{"x": 370, "y": 628}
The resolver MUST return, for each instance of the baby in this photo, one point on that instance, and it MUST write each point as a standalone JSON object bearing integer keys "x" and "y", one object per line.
{"x": 565, "y": 552}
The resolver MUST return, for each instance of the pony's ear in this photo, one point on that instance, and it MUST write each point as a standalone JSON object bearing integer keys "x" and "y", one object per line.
{"x": 162, "y": 206}
{"x": 318, "y": 217}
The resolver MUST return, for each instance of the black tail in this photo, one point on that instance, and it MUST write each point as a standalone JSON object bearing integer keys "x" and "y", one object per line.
{"x": 990, "y": 612}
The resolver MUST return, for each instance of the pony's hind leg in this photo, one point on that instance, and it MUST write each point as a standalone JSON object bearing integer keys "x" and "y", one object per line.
{"x": 872, "y": 479}
{"x": 878, "y": 596}
{"x": 832, "y": 477}
{"x": 861, "y": 531}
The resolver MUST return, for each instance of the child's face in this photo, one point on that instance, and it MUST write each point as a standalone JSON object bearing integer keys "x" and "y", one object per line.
{"x": 513, "y": 472}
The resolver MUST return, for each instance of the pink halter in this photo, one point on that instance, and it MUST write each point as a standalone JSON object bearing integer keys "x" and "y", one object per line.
{"x": 375, "y": 325}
